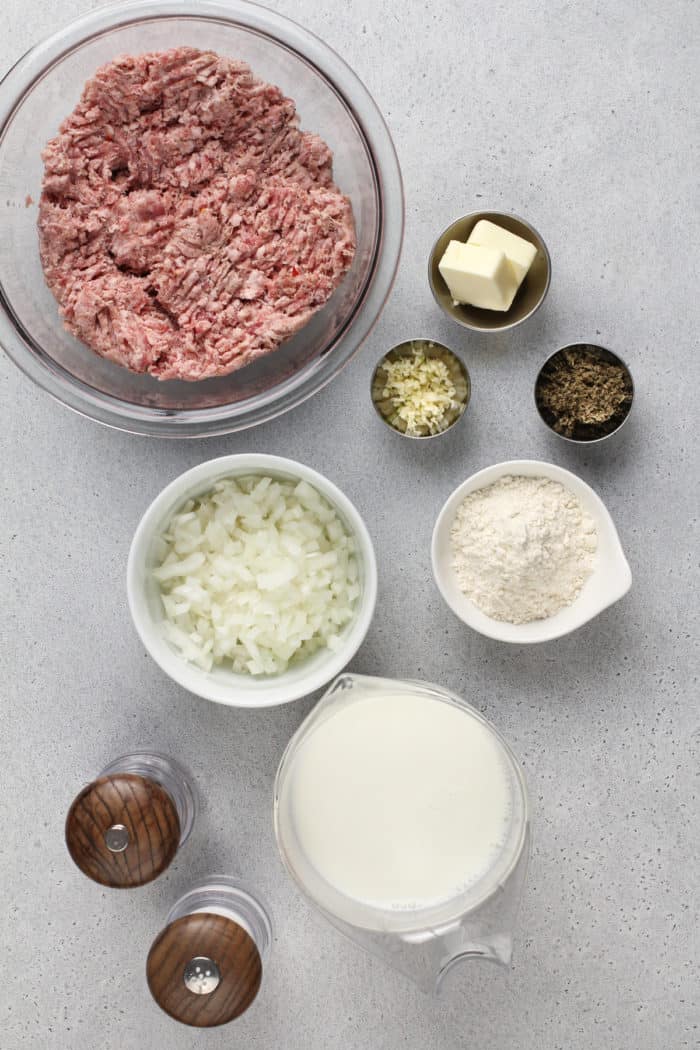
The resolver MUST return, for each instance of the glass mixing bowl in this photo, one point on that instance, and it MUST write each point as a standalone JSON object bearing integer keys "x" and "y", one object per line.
{"x": 44, "y": 87}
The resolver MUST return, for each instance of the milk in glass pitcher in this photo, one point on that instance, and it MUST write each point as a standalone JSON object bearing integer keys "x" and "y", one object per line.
{"x": 402, "y": 814}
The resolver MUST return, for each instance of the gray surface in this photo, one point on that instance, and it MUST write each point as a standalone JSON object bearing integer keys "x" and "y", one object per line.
{"x": 577, "y": 116}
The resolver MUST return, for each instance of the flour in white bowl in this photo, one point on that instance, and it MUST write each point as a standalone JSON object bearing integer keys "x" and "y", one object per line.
{"x": 522, "y": 548}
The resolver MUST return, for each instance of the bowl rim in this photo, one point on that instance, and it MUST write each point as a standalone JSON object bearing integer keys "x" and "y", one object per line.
{"x": 296, "y": 384}
{"x": 192, "y": 678}
{"x": 542, "y": 245}
{"x": 578, "y": 441}
{"x": 495, "y": 629}
{"x": 462, "y": 366}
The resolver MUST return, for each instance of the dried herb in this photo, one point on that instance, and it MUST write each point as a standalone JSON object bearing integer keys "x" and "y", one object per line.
{"x": 582, "y": 394}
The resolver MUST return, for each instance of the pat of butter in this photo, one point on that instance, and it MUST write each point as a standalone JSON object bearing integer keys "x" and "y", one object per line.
{"x": 519, "y": 252}
{"x": 479, "y": 276}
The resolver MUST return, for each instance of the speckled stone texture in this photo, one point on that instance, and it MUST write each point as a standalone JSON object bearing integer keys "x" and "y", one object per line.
{"x": 580, "y": 118}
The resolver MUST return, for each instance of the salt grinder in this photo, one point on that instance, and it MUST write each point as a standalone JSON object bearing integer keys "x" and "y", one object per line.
{"x": 124, "y": 828}
{"x": 205, "y": 968}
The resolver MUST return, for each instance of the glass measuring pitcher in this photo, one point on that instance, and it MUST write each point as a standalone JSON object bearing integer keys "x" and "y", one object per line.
{"x": 402, "y": 815}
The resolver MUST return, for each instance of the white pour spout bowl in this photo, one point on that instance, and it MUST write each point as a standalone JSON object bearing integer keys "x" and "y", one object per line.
{"x": 610, "y": 580}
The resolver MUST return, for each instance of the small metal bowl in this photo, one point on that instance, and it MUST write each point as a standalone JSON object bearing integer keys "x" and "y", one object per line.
{"x": 430, "y": 348}
{"x": 529, "y": 296}
{"x": 605, "y": 355}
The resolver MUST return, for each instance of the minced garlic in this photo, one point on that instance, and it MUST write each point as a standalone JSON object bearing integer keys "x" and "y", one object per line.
{"x": 421, "y": 391}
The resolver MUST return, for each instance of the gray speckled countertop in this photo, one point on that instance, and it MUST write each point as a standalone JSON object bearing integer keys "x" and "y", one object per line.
{"x": 579, "y": 117}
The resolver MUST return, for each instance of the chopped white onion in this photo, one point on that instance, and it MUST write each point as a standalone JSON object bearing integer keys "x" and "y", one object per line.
{"x": 257, "y": 574}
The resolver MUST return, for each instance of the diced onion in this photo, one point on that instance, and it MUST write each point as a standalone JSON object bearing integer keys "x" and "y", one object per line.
{"x": 257, "y": 574}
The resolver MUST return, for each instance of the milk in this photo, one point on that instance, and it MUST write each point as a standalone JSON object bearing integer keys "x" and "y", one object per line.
{"x": 400, "y": 801}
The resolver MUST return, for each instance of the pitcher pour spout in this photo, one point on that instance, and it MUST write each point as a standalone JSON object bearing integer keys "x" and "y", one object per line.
{"x": 500, "y": 951}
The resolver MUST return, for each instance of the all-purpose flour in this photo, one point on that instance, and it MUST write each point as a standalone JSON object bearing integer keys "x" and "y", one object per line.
{"x": 522, "y": 548}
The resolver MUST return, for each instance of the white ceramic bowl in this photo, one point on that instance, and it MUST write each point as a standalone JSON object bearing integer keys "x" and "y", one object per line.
{"x": 610, "y": 580}
{"x": 219, "y": 684}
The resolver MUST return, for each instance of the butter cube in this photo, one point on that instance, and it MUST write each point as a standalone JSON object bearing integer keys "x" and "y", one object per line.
{"x": 517, "y": 250}
{"x": 479, "y": 276}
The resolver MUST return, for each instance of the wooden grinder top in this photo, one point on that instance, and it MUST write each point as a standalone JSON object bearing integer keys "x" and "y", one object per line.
{"x": 204, "y": 969}
{"x": 123, "y": 830}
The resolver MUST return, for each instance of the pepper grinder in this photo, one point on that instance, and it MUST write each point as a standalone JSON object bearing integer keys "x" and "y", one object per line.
{"x": 205, "y": 968}
{"x": 124, "y": 828}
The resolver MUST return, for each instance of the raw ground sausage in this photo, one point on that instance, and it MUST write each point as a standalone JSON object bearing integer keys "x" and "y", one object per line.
{"x": 186, "y": 225}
